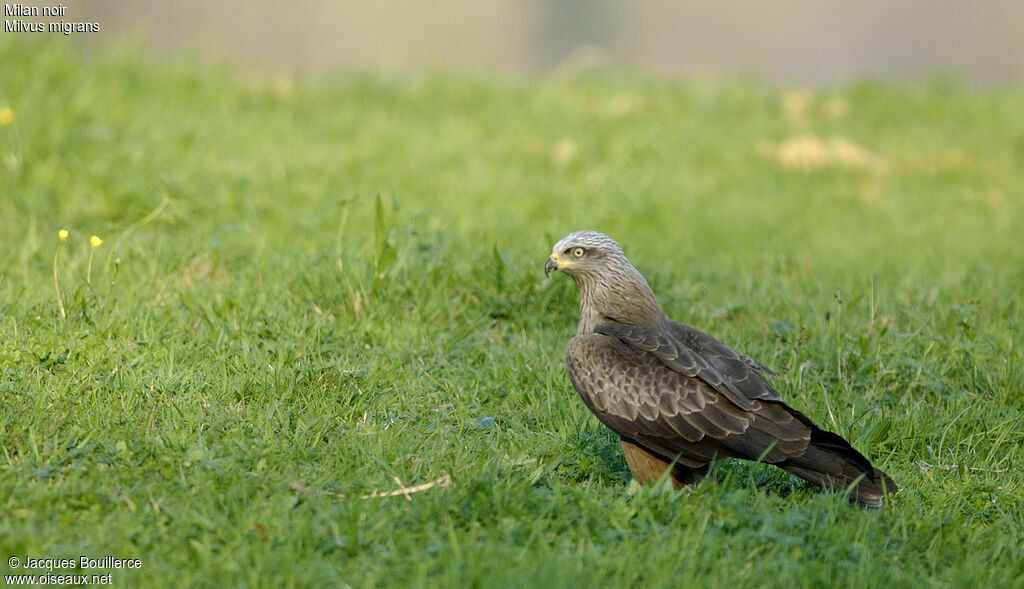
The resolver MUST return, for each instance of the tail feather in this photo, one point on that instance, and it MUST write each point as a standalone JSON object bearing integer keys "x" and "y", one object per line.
{"x": 832, "y": 463}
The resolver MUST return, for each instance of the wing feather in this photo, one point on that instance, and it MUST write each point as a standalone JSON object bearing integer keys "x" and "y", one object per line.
{"x": 642, "y": 398}
{"x": 678, "y": 357}
{"x": 745, "y": 373}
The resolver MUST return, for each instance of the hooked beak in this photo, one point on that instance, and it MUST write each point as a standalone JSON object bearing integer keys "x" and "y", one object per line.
{"x": 551, "y": 264}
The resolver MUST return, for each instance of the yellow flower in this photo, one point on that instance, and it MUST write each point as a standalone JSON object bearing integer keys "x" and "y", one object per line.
{"x": 6, "y": 115}
{"x": 63, "y": 234}
{"x": 95, "y": 241}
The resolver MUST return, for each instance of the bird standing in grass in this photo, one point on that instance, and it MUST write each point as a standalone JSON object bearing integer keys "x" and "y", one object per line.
{"x": 679, "y": 398}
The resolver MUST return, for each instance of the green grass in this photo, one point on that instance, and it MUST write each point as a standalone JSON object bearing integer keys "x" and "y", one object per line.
{"x": 311, "y": 285}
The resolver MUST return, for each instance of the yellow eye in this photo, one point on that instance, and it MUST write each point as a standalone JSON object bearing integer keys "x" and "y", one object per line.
{"x": 577, "y": 252}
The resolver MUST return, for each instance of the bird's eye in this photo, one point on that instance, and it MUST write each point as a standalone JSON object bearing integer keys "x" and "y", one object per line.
{"x": 577, "y": 252}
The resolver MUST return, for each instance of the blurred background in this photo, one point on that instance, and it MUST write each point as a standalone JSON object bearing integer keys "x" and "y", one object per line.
{"x": 782, "y": 42}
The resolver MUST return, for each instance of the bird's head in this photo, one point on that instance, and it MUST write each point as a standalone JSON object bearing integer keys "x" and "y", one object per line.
{"x": 611, "y": 289}
{"x": 584, "y": 253}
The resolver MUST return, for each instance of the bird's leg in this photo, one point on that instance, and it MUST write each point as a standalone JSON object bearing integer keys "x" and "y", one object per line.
{"x": 648, "y": 467}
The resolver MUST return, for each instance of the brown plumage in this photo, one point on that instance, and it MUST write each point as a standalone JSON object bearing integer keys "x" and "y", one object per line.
{"x": 678, "y": 397}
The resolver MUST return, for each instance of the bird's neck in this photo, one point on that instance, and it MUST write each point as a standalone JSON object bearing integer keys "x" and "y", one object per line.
{"x": 630, "y": 302}
{"x": 590, "y": 316}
